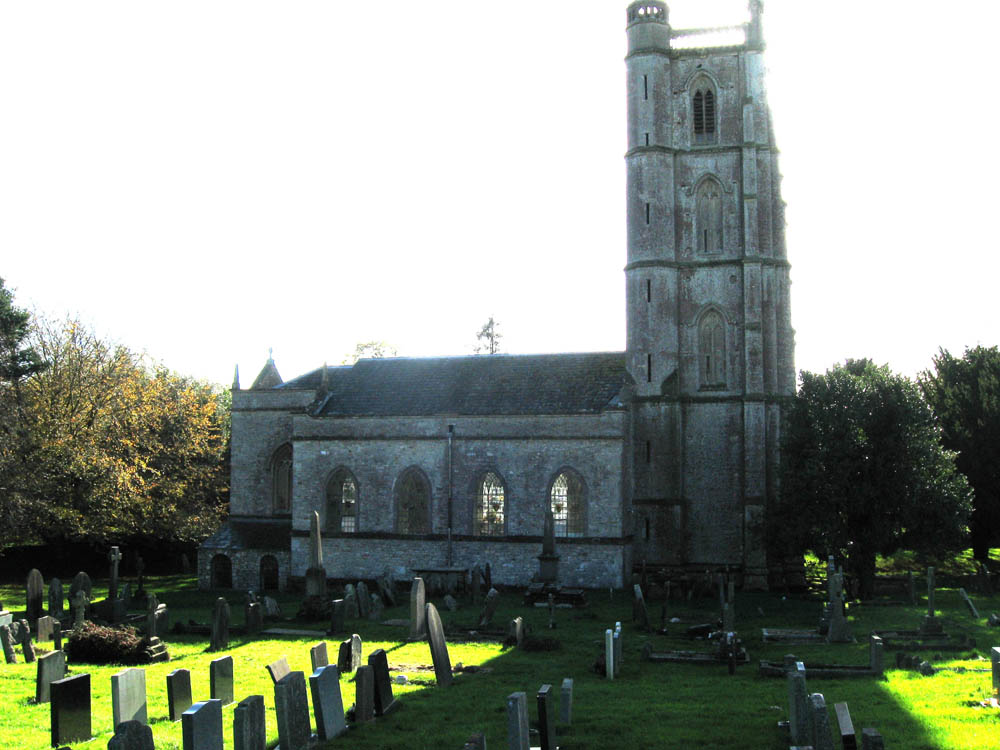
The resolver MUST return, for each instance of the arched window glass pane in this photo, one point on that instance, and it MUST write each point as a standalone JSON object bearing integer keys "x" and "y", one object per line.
{"x": 566, "y": 502}
{"x": 703, "y": 112}
{"x": 349, "y": 506}
{"x": 490, "y": 506}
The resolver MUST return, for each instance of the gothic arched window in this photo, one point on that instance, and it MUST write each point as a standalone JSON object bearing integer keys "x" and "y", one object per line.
{"x": 703, "y": 110}
{"x": 491, "y": 508}
{"x": 413, "y": 503}
{"x": 712, "y": 349}
{"x": 566, "y": 499}
{"x": 342, "y": 502}
{"x": 708, "y": 217}
{"x": 281, "y": 479}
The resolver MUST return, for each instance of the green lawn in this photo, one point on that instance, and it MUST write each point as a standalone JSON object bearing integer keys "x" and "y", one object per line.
{"x": 650, "y": 705}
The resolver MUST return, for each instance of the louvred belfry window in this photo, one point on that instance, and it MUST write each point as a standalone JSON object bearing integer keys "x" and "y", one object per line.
{"x": 703, "y": 105}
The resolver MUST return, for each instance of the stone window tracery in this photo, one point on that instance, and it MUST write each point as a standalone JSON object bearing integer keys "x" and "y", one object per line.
{"x": 490, "y": 506}
{"x": 566, "y": 498}
{"x": 342, "y": 503}
{"x": 708, "y": 217}
{"x": 281, "y": 479}
{"x": 712, "y": 350}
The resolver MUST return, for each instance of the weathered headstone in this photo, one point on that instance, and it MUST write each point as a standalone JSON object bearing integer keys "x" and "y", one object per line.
{"x": 315, "y": 573}
{"x": 43, "y": 628}
{"x": 386, "y": 590}
{"x": 81, "y": 582}
{"x": 875, "y": 654}
{"x": 968, "y": 603}
{"x": 78, "y": 603}
{"x": 338, "y": 613}
{"x": 515, "y": 631}
{"x": 384, "y": 701}
{"x": 33, "y": 595}
{"x": 439, "y": 647}
{"x": 451, "y": 603}
{"x": 364, "y": 599}
{"x": 128, "y": 696}
{"x": 178, "y": 693}
{"x": 253, "y": 615}
{"x": 639, "y": 612}
{"x": 249, "y": 724}
{"x": 364, "y": 695}
{"x": 822, "y": 739}
{"x": 51, "y": 667}
{"x": 517, "y": 722}
{"x": 26, "y": 647}
{"x": 57, "y": 635}
{"x": 318, "y": 656}
{"x": 871, "y": 740}
{"x": 848, "y": 740}
{"x": 490, "y": 608}
{"x": 7, "y": 643}
{"x": 201, "y": 726}
{"x": 291, "y": 706}
{"x": 566, "y": 701}
{"x": 114, "y": 557}
{"x": 609, "y": 654}
{"x": 131, "y": 735}
{"x": 546, "y": 718}
{"x": 328, "y": 705}
{"x": 56, "y": 597}
{"x": 220, "y": 678}
{"x": 799, "y": 718}
{"x": 69, "y": 701}
{"x": 220, "y": 626}
{"x": 351, "y": 602}
{"x": 271, "y": 608}
{"x": 278, "y": 670}
{"x": 376, "y": 608}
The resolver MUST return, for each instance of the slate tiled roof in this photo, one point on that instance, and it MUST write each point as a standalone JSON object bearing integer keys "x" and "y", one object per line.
{"x": 251, "y": 533}
{"x": 495, "y": 384}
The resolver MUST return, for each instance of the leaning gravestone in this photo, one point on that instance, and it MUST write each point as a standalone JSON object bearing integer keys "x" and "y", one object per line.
{"x": 178, "y": 693}
{"x": 639, "y": 612}
{"x": 385, "y": 590}
{"x": 279, "y": 670}
{"x": 418, "y": 616}
{"x": 56, "y": 597}
{"x": 490, "y": 608}
{"x": 220, "y": 678}
{"x": 128, "y": 696}
{"x": 517, "y": 722}
{"x": 131, "y": 735}
{"x": 220, "y": 626}
{"x": 70, "y": 709}
{"x": 7, "y": 642}
{"x": 364, "y": 600}
{"x": 384, "y": 702}
{"x": 364, "y": 695}
{"x": 26, "y": 648}
{"x": 201, "y": 726}
{"x": 968, "y": 603}
{"x": 51, "y": 667}
{"x": 33, "y": 595}
{"x": 318, "y": 656}
{"x": 328, "y": 705}
{"x": 822, "y": 738}
{"x": 292, "y": 709}
{"x": 439, "y": 647}
{"x": 249, "y": 726}
{"x": 349, "y": 656}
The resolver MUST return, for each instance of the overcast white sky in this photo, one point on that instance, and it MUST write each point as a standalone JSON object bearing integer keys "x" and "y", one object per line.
{"x": 203, "y": 180}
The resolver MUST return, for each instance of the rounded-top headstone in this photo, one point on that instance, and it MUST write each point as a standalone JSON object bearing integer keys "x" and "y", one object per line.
{"x": 81, "y": 582}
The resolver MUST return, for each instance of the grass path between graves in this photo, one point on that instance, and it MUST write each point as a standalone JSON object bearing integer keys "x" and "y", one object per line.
{"x": 651, "y": 705}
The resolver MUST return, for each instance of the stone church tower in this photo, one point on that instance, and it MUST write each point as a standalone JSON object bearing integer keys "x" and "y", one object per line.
{"x": 709, "y": 344}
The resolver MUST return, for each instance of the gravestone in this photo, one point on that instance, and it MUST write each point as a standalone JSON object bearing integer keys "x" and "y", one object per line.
{"x": 128, "y": 696}
{"x": 517, "y": 722}
{"x": 253, "y": 615}
{"x": 26, "y": 648}
{"x": 44, "y": 627}
{"x": 279, "y": 670}
{"x": 799, "y": 722}
{"x": 822, "y": 739}
{"x": 619, "y": 648}
{"x": 384, "y": 701}
{"x": 546, "y": 718}
{"x": 609, "y": 654}
{"x": 78, "y": 603}
{"x": 871, "y": 740}
{"x": 318, "y": 656}
{"x": 349, "y": 656}
{"x": 418, "y": 615}
{"x": 114, "y": 557}
{"x": 6, "y": 618}
{"x": 490, "y": 608}
{"x": 220, "y": 678}
{"x": 291, "y": 707}
{"x": 201, "y": 726}
{"x": 328, "y": 705}
{"x": 351, "y": 602}
{"x": 376, "y": 608}
{"x": 51, "y": 667}
{"x": 995, "y": 660}
{"x": 839, "y": 630}
{"x": 451, "y": 603}
{"x": 848, "y": 740}
{"x": 639, "y": 612}
{"x": 249, "y": 724}
{"x": 338, "y": 613}
{"x": 56, "y": 597}
{"x": 515, "y": 631}
{"x": 131, "y": 735}
{"x": 81, "y": 582}
{"x": 33, "y": 595}
{"x": 364, "y": 599}
{"x": 178, "y": 693}
{"x": 161, "y": 621}
{"x": 930, "y": 625}
{"x": 875, "y": 654}
{"x": 968, "y": 603}
{"x": 474, "y": 583}
{"x": 7, "y": 643}
{"x": 57, "y": 635}
{"x": 385, "y": 590}
{"x": 566, "y": 701}
{"x": 548, "y": 561}
{"x": 271, "y": 608}
{"x": 220, "y": 626}
{"x": 315, "y": 573}
{"x": 69, "y": 701}
{"x": 439, "y": 647}
{"x": 364, "y": 695}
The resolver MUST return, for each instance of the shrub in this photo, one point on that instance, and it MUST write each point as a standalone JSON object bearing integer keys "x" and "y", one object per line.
{"x": 96, "y": 644}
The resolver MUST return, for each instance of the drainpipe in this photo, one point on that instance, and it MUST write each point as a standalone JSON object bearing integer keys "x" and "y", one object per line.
{"x": 451, "y": 447}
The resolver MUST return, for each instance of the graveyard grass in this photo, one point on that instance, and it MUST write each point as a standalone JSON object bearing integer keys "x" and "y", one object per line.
{"x": 651, "y": 705}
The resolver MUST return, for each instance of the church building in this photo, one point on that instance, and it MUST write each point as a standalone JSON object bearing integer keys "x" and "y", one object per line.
{"x": 666, "y": 453}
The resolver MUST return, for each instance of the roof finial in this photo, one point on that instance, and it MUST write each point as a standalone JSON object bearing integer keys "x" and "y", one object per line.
{"x": 270, "y": 354}
{"x": 236, "y": 379}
